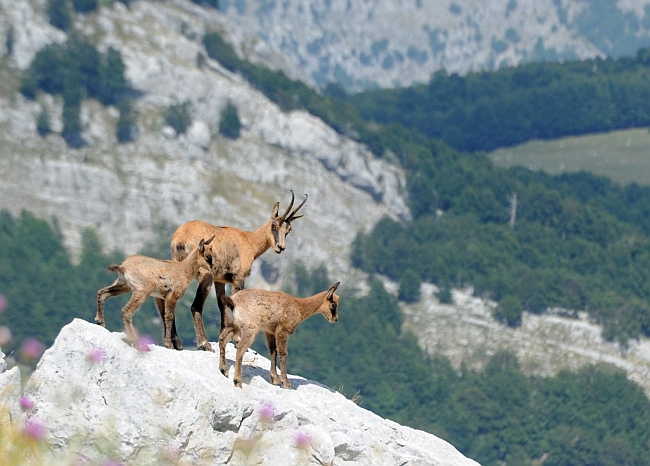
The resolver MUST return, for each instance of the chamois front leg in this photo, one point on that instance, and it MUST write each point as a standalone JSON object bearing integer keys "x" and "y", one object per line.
{"x": 202, "y": 291}
{"x": 281, "y": 342}
{"x": 116, "y": 289}
{"x": 176, "y": 341}
{"x": 273, "y": 352}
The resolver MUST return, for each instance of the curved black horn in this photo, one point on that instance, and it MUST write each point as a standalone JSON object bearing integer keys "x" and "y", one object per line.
{"x": 284, "y": 215}
{"x": 293, "y": 214}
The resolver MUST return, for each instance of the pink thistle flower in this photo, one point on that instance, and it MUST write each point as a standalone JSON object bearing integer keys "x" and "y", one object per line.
{"x": 34, "y": 428}
{"x": 26, "y": 403}
{"x": 267, "y": 411}
{"x": 96, "y": 355}
{"x": 142, "y": 343}
{"x": 32, "y": 348}
{"x": 5, "y": 335}
{"x": 3, "y": 303}
{"x": 302, "y": 439}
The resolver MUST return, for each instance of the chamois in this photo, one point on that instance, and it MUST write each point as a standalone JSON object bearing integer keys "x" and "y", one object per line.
{"x": 164, "y": 279}
{"x": 277, "y": 314}
{"x": 234, "y": 250}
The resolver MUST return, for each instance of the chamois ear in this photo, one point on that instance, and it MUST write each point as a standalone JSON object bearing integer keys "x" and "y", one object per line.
{"x": 332, "y": 289}
{"x": 203, "y": 243}
{"x": 274, "y": 212}
{"x": 209, "y": 240}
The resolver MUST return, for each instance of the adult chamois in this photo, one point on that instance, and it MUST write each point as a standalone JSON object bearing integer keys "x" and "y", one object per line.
{"x": 234, "y": 251}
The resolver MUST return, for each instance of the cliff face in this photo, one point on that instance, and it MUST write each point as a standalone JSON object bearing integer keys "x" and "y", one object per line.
{"x": 126, "y": 191}
{"x": 91, "y": 390}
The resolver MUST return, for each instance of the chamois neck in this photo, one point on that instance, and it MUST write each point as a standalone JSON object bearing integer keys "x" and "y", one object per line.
{"x": 259, "y": 239}
{"x": 190, "y": 263}
{"x": 311, "y": 305}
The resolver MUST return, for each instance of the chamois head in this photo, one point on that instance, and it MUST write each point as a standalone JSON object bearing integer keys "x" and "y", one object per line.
{"x": 204, "y": 258}
{"x": 281, "y": 224}
{"x": 332, "y": 301}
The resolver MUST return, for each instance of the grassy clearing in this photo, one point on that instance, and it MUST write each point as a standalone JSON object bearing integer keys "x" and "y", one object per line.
{"x": 623, "y": 156}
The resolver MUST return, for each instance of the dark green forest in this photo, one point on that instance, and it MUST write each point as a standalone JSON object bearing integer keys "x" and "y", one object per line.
{"x": 592, "y": 417}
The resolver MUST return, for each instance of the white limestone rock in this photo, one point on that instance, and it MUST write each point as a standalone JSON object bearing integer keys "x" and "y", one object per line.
{"x": 177, "y": 403}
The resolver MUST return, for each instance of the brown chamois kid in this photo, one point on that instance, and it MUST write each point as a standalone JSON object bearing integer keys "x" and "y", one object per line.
{"x": 234, "y": 251}
{"x": 277, "y": 314}
{"x": 164, "y": 279}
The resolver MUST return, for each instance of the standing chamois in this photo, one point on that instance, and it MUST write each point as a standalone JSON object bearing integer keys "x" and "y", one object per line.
{"x": 234, "y": 251}
{"x": 164, "y": 279}
{"x": 277, "y": 314}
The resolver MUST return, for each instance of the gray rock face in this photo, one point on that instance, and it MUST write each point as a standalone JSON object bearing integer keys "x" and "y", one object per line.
{"x": 177, "y": 404}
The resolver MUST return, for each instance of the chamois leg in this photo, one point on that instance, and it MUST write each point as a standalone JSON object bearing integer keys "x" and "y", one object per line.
{"x": 247, "y": 339}
{"x": 282, "y": 341}
{"x": 116, "y": 289}
{"x": 176, "y": 341}
{"x": 197, "y": 311}
{"x": 220, "y": 290}
{"x": 134, "y": 303}
{"x": 224, "y": 337}
{"x": 168, "y": 322}
{"x": 273, "y": 352}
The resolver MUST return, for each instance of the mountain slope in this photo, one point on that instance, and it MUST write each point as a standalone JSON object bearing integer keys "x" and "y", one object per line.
{"x": 387, "y": 43}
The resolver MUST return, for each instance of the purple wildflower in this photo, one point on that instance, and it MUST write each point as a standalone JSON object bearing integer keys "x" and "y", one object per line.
{"x": 96, "y": 355}
{"x": 3, "y": 303}
{"x": 267, "y": 411}
{"x": 5, "y": 335}
{"x": 32, "y": 348}
{"x": 302, "y": 439}
{"x": 34, "y": 428}
{"x": 142, "y": 343}
{"x": 26, "y": 403}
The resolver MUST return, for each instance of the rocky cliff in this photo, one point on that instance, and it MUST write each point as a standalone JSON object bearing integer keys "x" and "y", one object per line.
{"x": 105, "y": 399}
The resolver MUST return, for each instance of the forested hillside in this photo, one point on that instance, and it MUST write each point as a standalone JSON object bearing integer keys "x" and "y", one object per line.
{"x": 496, "y": 416}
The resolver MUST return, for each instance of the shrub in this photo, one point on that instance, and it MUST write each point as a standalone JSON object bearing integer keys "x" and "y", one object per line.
{"x": 218, "y": 49}
{"x": 178, "y": 116}
{"x": 127, "y": 129}
{"x": 59, "y": 13}
{"x": 409, "y": 286}
{"x": 210, "y": 3}
{"x": 84, "y": 6}
{"x": 43, "y": 122}
{"x": 229, "y": 124}
{"x": 509, "y": 311}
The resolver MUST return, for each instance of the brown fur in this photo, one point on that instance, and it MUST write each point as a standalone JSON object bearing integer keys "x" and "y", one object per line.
{"x": 277, "y": 314}
{"x": 236, "y": 250}
{"x": 165, "y": 280}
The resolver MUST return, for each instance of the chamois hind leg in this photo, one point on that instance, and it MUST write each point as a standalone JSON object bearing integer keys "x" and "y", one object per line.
{"x": 134, "y": 303}
{"x": 205, "y": 282}
{"x": 176, "y": 341}
{"x": 282, "y": 341}
{"x": 224, "y": 337}
{"x": 273, "y": 352}
{"x": 247, "y": 339}
{"x": 116, "y": 289}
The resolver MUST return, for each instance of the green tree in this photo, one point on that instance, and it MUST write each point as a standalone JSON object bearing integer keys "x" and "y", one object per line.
{"x": 229, "y": 124}
{"x": 84, "y": 6}
{"x": 409, "y": 286}
{"x": 59, "y": 14}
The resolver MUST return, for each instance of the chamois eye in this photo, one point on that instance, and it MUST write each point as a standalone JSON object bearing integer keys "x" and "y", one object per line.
{"x": 274, "y": 226}
{"x": 208, "y": 258}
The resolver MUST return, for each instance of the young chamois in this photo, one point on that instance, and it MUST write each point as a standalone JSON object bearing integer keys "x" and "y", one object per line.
{"x": 234, "y": 250}
{"x": 164, "y": 279}
{"x": 277, "y": 314}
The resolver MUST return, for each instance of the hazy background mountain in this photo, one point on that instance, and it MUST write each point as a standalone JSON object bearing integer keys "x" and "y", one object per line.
{"x": 367, "y": 44}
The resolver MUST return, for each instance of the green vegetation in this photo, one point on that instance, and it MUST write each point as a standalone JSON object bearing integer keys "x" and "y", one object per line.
{"x": 179, "y": 116}
{"x": 75, "y": 70}
{"x": 229, "y": 124}
{"x": 487, "y": 110}
{"x": 622, "y": 156}
{"x": 59, "y": 14}
{"x": 497, "y": 417}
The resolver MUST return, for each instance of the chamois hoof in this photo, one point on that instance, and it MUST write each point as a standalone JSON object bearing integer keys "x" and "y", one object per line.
{"x": 286, "y": 385}
{"x": 224, "y": 372}
{"x": 100, "y": 322}
{"x": 238, "y": 383}
{"x": 206, "y": 347}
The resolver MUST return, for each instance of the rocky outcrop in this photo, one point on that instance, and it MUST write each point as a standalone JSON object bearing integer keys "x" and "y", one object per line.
{"x": 91, "y": 389}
